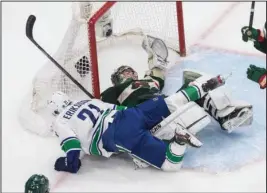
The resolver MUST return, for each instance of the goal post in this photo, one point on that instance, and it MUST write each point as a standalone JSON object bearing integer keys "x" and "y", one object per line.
{"x": 180, "y": 21}
{"x": 90, "y": 56}
{"x": 93, "y": 47}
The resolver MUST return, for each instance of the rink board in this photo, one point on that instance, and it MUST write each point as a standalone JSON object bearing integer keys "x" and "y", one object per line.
{"x": 222, "y": 151}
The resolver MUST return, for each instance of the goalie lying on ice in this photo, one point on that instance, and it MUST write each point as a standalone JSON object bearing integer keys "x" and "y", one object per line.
{"x": 97, "y": 128}
{"x": 128, "y": 90}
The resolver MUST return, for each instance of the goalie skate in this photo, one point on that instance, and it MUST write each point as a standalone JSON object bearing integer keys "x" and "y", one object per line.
{"x": 183, "y": 136}
{"x": 238, "y": 118}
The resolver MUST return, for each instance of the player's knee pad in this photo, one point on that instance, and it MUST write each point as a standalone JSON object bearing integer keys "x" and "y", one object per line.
{"x": 182, "y": 117}
{"x": 229, "y": 112}
{"x": 174, "y": 157}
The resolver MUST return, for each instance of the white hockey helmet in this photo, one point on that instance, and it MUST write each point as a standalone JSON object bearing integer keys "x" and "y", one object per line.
{"x": 58, "y": 102}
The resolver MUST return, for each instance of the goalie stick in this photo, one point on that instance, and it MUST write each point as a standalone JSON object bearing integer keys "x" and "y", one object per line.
{"x": 29, "y": 29}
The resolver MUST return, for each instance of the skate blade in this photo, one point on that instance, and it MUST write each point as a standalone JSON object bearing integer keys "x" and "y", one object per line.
{"x": 194, "y": 141}
{"x": 246, "y": 116}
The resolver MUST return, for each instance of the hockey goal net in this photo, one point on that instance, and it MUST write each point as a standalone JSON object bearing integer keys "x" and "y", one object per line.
{"x": 85, "y": 45}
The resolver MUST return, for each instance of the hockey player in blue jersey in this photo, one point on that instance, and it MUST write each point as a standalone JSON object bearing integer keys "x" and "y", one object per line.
{"x": 128, "y": 90}
{"x": 97, "y": 128}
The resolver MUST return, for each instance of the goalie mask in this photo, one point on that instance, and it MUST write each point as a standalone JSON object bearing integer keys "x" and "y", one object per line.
{"x": 122, "y": 74}
{"x": 37, "y": 184}
{"x": 58, "y": 102}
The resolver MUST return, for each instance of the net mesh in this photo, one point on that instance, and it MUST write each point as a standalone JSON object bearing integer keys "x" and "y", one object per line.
{"x": 130, "y": 20}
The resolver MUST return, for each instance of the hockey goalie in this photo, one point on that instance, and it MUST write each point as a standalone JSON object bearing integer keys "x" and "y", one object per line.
{"x": 128, "y": 90}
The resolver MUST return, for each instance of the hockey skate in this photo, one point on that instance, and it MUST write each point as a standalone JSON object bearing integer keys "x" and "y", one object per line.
{"x": 236, "y": 114}
{"x": 238, "y": 118}
{"x": 183, "y": 136}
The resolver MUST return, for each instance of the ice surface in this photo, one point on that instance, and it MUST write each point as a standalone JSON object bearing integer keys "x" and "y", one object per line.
{"x": 222, "y": 151}
{"x": 25, "y": 154}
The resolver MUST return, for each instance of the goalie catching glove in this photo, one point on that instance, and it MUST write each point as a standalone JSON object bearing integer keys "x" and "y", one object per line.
{"x": 157, "y": 52}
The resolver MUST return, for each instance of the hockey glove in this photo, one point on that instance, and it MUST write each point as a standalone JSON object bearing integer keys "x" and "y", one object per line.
{"x": 250, "y": 34}
{"x": 258, "y": 75}
{"x": 71, "y": 163}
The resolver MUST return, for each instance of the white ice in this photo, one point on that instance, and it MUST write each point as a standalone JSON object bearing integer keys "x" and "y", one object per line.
{"x": 25, "y": 154}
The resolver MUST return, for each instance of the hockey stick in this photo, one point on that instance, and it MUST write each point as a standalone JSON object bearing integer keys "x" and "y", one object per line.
{"x": 251, "y": 14}
{"x": 29, "y": 30}
{"x": 245, "y": 38}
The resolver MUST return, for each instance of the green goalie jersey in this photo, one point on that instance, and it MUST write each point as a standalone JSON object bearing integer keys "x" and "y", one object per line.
{"x": 133, "y": 92}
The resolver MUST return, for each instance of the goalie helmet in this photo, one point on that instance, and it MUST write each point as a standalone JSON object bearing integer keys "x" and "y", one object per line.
{"x": 122, "y": 74}
{"x": 37, "y": 183}
{"x": 58, "y": 102}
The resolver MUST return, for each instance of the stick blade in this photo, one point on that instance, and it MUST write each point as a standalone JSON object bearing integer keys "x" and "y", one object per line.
{"x": 29, "y": 26}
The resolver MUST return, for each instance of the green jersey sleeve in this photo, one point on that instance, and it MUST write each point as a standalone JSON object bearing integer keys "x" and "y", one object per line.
{"x": 261, "y": 46}
{"x": 110, "y": 96}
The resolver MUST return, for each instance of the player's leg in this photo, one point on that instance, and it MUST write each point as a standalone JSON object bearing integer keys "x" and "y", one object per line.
{"x": 229, "y": 113}
{"x": 156, "y": 114}
{"x": 188, "y": 93}
{"x": 131, "y": 134}
{"x": 221, "y": 106}
{"x": 189, "y": 116}
{"x": 129, "y": 126}
{"x": 153, "y": 111}
{"x": 162, "y": 155}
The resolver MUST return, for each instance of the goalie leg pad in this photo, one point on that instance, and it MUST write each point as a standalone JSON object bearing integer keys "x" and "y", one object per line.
{"x": 182, "y": 118}
{"x": 220, "y": 98}
{"x": 176, "y": 101}
{"x": 230, "y": 113}
{"x": 198, "y": 84}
